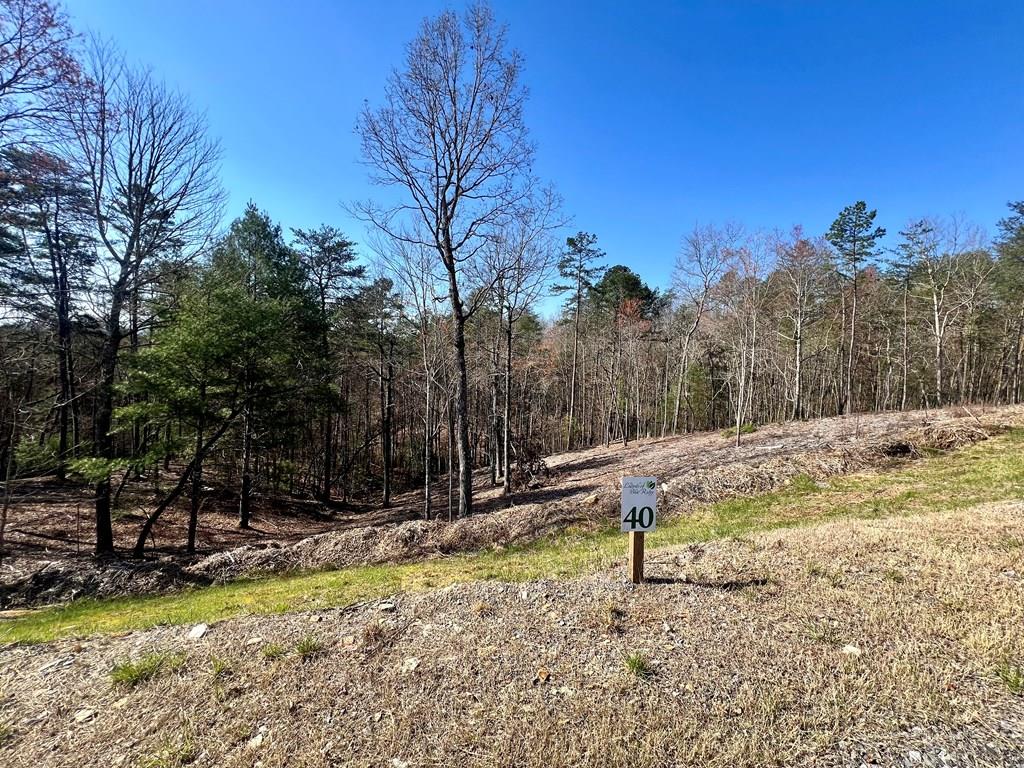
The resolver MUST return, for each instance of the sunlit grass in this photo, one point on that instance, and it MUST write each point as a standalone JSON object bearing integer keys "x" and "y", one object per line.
{"x": 989, "y": 471}
{"x": 132, "y": 673}
{"x": 638, "y": 665}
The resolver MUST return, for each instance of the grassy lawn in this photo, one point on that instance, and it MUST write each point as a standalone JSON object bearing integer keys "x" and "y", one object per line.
{"x": 989, "y": 471}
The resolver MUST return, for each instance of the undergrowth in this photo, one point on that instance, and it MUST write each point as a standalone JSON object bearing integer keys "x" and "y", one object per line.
{"x": 746, "y": 428}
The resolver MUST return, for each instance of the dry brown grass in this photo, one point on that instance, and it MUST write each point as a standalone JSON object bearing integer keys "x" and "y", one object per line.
{"x": 847, "y": 643}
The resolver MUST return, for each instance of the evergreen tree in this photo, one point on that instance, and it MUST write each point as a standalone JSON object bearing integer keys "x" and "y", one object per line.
{"x": 329, "y": 262}
{"x": 578, "y": 267}
{"x": 620, "y": 285}
{"x": 855, "y": 237}
{"x": 216, "y": 352}
{"x": 44, "y": 218}
{"x": 255, "y": 256}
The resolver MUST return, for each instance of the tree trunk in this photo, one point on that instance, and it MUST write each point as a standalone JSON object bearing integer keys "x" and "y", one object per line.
{"x": 506, "y": 482}
{"x": 798, "y": 343}
{"x": 105, "y": 411}
{"x": 244, "y": 513}
{"x": 495, "y": 452}
{"x": 428, "y": 435}
{"x": 462, "y": 406}
{"x": 197, "y": 480}
{"x": 849, "y": 404}
{"x": 451, "y": 463}
{"x": 575, "y": 352}
{"x": 906, "y": 345}
{"x": 939, "y": 333}
{"x": 387, "y": 448}
{"x": 328, "y": 447}
{"x": 65, "y": 364}
{"x": 64, "y": 376}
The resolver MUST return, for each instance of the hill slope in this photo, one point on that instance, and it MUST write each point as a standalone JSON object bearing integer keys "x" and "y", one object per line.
{"x": 580, "y": 491}
{"x": 879, "y": 642}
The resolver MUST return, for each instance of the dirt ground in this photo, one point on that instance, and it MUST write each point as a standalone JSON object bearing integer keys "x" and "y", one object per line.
{"x": 49, "y": 530}
{"x": 893, "y": 642}
{"x": 51, "y": 519}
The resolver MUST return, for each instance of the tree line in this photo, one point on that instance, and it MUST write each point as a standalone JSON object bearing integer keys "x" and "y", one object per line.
{"x": 145, "y": 345}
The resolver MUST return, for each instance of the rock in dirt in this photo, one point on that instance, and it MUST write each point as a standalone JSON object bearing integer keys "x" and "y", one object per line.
{"x": 257, "y": 741}
{"x": 198, "y": 631}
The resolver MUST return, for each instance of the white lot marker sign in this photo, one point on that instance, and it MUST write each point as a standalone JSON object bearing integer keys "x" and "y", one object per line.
{"x": 639, "y": 514}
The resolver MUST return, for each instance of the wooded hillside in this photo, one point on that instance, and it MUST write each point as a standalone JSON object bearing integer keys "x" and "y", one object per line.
{"x": 145, "y": 342}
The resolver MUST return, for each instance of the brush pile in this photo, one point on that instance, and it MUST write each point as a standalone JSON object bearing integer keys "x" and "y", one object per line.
{"x": 420, "y": 539}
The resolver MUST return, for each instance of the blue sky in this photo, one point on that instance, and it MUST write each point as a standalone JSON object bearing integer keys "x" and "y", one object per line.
{"x": 649, "y": 117}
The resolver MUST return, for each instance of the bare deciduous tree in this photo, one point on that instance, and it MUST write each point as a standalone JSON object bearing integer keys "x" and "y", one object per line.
{"x": 946, "y": 286}
{"x": 35, "y": 63}
{"x": 803, "y": 271}
{"x": 151, "y": 171}
{"x": 700, "y": 265}
{"x": 742, "y": 292}
{"x": 451, "y": 135}
{"x": 524, "y": 259}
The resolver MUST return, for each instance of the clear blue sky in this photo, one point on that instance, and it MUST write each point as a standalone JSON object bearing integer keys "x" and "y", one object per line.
{"x": 648, "y": 117}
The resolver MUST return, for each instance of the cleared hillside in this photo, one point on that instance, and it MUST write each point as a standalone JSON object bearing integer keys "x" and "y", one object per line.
{"x": 880, "y": 642}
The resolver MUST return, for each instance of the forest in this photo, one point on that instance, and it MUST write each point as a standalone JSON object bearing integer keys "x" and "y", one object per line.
{"x": 146, "y": 342}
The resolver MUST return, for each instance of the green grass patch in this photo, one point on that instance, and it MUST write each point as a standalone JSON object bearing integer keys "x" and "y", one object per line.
{"x": 1013, "y": 676}
{"x": 639, "y": 666}
{"x": 992, "y": 470}
{"x": 273, "y": 651}
{"x": 220, "y": 668}
{"x": 309, "y": 646}
{"x": 133, "y": 673}
{"x": 746, "y": 428}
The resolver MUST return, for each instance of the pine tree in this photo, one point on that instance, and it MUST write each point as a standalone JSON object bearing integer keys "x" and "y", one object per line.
{"x": 855, "y": 237}
{"x": 329, "y": 261}
{"x": 579, "y": 269}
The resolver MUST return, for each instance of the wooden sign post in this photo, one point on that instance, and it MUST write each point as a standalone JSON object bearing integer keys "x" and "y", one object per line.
{"x": 639, "y": 514}
{"x": 636, "y": 556}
